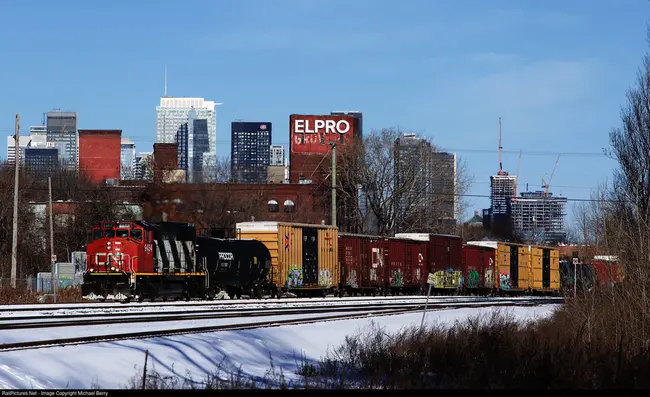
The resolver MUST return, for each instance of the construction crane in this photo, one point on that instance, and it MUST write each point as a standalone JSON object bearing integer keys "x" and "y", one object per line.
{"x": 546, "y": 184}
{"x": 517, "y": 174}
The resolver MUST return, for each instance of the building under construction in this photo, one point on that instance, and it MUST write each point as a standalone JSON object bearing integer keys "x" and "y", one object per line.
{"x": 503, "y": 189}
{"x": 539, "y": 217}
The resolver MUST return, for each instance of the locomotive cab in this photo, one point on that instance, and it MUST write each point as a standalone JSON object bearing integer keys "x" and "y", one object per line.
{"x": 112, "y": 258}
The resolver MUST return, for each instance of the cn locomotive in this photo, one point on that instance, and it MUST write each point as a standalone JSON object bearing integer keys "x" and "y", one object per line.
{"x": 168, "y": 260}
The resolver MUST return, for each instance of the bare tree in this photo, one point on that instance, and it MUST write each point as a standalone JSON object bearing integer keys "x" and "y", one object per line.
{"x": 626, "y": 217}
{"x": 412, "y": 187}
{"x": 217, "y": 171}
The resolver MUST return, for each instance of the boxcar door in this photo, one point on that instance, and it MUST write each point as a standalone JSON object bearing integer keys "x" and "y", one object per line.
{"x": 310, "y": 255}
{"x": 408, "y": 275}
{"x": 546, "y": 268}
{"x": 514, "y": 266}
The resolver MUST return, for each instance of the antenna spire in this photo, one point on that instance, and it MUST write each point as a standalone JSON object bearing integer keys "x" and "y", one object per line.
{"x": 500, "y": 147}
{"x": 165, "y": 80}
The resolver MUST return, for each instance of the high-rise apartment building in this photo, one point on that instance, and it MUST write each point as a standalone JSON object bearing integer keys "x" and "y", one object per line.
{"x": 23, "y": 142}
{"x": 277, "y": 156}
{"x": 425, "y": 178}
{"x": 502, "y": 190}
{"x": 250, "y": 151}
{"x": 144, "y": 166}
{"x": 192, "y": 140}
{"x": 41, "y": 162}
{"x": 37, "y": 138}
{"x": 173, "y": 112}
{"x": 62, "y": 132}
{"x": 539, "y": 218}
{"x": 127, "y": 160}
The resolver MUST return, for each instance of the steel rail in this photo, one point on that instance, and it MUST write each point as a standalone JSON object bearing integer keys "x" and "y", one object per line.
{"x": 123, "y": 306}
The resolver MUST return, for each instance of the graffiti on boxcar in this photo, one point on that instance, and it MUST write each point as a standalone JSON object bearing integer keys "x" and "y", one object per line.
{"x": 373, "y": 274}
{"x": 396, "y": 279}
{"x": 294, "y": 277}
{"x": 377, "y": 258}
{"x": 488, "y": 279}
{"x": 418, "y": 274}
{"x": 449, "y": 278}
{"x": 324, "y": 278}
{"x": 352, "y": 279}
{"x": 504, "y": 281}
{"x": 474, "y": 279}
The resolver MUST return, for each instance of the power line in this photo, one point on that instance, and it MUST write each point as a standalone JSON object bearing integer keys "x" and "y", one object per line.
{"x": 455, "y": 150}
{"x": 232, "y": 187}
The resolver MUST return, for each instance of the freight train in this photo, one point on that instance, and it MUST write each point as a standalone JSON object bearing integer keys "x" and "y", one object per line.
{"x": 142, "y": 260}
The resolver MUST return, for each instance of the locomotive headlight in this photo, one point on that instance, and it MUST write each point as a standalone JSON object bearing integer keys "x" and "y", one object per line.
{"x": 112, "y": 268}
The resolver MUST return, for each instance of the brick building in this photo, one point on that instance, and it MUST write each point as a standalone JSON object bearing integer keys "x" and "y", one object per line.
{"x": 99, "y": 154}
{"x": 228, "y": 203}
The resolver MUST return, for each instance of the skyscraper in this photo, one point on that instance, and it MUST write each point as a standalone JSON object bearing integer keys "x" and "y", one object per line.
{"x": 426, "y": 177}
{"x": 192, "y": 140}
{"x": 41, "y": 162}
{"x": 173, "y": 112}
{"x": 127, "y": 159}
{"x": 144, "y": 166}
{"x": 62, "y": 132}
{"x": 250, "y": 151}
{"x": 277, "y": 156}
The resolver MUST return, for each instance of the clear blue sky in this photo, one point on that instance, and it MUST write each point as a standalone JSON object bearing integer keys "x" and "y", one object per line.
{"x": 555, "y": 71}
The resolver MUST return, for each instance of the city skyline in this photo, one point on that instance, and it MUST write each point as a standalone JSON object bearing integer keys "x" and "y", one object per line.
{"x": 549, "y": 70}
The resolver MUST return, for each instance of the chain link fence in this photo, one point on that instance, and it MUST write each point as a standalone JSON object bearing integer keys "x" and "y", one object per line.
{"x": 42, "y": 283}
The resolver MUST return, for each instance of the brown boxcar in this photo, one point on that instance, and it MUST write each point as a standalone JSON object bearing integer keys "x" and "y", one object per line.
{"x": 374, "y": 262}
{"x": 444, "y": 258}
{"x": 361, "y": 260}
{"x": 478, "y": 267}
{"x": 407, "y": 264}
{"x": 304, "y": 258}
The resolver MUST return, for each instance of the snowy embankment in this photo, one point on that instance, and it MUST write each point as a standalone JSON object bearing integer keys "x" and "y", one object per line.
{"x": 113, "y": 364}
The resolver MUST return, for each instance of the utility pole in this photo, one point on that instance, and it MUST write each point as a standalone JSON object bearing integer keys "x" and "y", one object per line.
{"x": 333, "y": 183}
{"x": 52, "y": 260}
{"x": 14, "y": 245}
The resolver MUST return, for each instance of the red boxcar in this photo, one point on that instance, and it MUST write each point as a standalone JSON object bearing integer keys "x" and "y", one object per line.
{"x": 478, "y": 267}
{"x": 361, "y": 260}
{"x": 606, "y": 271}
{"x": 444, "y": 258}
{"x": 406, "y": 265}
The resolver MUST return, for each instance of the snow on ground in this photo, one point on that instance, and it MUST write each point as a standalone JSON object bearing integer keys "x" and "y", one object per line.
{"x": 62, "y": 332}
{"x": 113, "y": 364}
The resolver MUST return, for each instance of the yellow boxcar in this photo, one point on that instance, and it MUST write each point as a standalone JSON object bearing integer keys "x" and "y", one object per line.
{"x": 303, "y": 256}
{"x": 502, "y": 279}
{"x": 524, "y": 258}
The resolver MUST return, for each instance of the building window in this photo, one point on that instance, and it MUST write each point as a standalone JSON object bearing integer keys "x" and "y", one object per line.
{"x": 289, "y": 206}
{"x": 273, "y": 206}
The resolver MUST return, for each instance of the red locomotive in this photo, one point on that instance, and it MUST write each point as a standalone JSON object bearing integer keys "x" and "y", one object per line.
{"x": 169, "y": 260}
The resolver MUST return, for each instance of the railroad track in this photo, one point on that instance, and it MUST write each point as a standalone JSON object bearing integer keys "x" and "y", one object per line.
{"x": 334, "y": 315}
{"x": 127, "y": 306}
{"x": 209, "y": 314}
{"x": 214, "y": 313}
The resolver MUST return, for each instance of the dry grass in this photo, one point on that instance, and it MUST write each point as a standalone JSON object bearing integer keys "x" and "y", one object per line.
{"x": 594, "y": 342}
{"x": 22, "y": 295}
